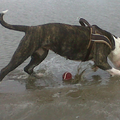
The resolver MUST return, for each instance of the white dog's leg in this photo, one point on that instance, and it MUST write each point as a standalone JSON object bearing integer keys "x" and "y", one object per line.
{"x": 114, "y": 72}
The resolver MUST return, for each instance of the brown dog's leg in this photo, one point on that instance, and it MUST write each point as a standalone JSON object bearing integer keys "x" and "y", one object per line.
{"x": 100, "y": 56}
{"x": 36, "y": 59}
{"x": 24, "y": 50}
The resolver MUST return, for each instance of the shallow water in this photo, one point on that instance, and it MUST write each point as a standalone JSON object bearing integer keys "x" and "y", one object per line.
{"x": 95, "y": 96}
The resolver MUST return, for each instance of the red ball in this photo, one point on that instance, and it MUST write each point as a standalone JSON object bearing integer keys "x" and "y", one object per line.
{"x": 67, "y": 76}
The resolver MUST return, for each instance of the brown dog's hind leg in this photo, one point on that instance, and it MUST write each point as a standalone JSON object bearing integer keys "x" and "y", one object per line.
{"x": 24, "y": 50}
{"x": 36, "y": 59}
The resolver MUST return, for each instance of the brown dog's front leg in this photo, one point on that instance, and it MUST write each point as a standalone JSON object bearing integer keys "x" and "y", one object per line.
{"x": 101, "y": 51}
{"x": 100, "y": 56}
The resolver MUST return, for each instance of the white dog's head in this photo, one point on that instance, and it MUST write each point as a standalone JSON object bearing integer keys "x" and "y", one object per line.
{"x": 115, "y": 54}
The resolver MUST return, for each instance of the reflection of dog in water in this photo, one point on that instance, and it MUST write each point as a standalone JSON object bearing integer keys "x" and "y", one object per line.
{"x": 81, "y": 43}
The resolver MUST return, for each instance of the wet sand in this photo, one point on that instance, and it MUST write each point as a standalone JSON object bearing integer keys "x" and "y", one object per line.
{"x": 101, "y": 103}
{"x": 82, "y": 101}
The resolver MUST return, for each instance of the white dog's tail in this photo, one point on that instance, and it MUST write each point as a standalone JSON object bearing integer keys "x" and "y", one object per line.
{"x": 21, "y": 28}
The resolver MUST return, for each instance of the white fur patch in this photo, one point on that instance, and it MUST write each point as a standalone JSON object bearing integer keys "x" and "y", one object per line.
{"x": 114, "y": 72}
{"x": 115, "y": 54}
{"x": 117, "y": 46}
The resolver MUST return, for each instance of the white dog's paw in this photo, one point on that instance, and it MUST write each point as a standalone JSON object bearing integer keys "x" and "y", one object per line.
{"x": 114, "y": 72}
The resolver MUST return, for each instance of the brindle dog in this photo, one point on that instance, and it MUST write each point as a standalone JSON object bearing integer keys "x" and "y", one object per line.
{"x": 69, "y": 41}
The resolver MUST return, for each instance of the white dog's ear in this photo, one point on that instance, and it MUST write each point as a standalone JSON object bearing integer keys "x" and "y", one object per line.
{"x": 5, "y": 11}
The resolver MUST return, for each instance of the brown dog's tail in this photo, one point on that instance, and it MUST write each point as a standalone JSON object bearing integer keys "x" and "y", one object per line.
{"x": 12, "y": 27}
